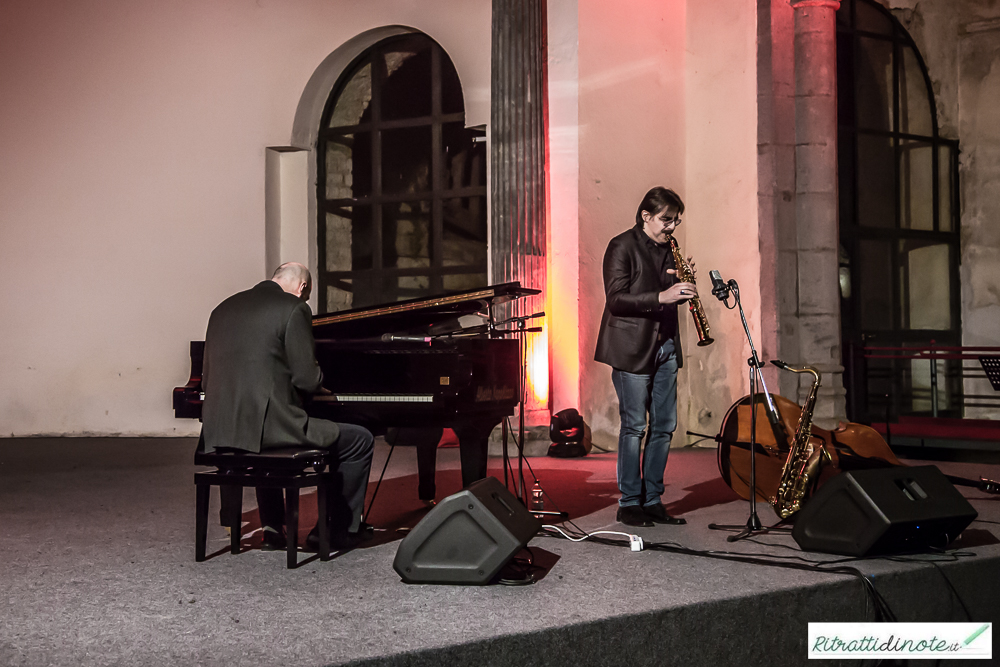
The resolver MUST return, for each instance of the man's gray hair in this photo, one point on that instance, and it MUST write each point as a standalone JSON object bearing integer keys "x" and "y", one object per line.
{"x": 292, "y": 272}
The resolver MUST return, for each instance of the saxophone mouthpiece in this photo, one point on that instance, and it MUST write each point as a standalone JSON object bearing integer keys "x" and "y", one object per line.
{"x": 779, "y": 363}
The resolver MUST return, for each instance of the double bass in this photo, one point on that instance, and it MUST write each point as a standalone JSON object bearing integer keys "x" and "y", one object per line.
{"x": 793, "y": 456}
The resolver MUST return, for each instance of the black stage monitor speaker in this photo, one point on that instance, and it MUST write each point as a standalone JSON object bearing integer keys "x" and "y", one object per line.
{"x": 467, "y": 537}
{"x": 882, "y": 511}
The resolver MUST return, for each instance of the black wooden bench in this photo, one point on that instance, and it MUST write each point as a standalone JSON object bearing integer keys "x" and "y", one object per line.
{"x": 287, "y": 468}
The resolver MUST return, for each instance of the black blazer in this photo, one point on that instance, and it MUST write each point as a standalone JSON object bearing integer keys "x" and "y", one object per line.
{"x": 259, "y": 358}
{"x": 632, "y": 313}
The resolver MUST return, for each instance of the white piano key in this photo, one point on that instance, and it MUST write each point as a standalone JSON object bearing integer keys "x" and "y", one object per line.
{"x": 385, "y": 398}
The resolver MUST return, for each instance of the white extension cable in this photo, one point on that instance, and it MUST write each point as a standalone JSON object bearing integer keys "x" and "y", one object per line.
{"x": 634, "y": 541}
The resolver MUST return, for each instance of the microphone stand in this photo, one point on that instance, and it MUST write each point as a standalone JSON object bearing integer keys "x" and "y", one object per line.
{"x": 753, "y": 524}
{"x": 520, "y": 328}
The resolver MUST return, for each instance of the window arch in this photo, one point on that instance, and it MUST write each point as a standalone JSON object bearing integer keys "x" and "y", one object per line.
{"x": 401, "y": 182}
{"x": 898, "y": 217}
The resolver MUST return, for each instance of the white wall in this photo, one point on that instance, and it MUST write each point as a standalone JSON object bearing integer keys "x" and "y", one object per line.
{"x": 132, "y": 177}
{"x": 668, "y": 97}
{"x": 132, "y": 182}
{"x": 721, "y": 229}
{"x": 632, "y": 138}
{"x": 564, "y": 192}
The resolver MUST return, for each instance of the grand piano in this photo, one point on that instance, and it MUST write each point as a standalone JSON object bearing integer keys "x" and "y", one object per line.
{"x": 412, "y": 367}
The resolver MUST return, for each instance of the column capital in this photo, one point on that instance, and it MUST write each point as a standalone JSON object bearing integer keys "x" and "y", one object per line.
{"x": 804, "y": 4}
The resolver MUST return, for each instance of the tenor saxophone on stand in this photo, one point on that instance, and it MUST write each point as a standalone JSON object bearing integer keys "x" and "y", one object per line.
{"x": 686, "y": 275}
{"x": 803, "y": 460}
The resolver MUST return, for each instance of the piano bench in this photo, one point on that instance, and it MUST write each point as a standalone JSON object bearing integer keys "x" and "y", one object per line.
{"x": 287, "y": 468}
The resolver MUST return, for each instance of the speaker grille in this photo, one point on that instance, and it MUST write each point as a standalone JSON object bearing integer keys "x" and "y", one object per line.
{"x": 467, "y": 537}
{"x": 470, "y": 553}
{"x": 840, "y": 518}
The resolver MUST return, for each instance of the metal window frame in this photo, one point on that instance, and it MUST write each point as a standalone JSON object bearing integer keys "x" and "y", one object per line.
{"x": 378, "y": 198}
{"x": 852, "y": 233}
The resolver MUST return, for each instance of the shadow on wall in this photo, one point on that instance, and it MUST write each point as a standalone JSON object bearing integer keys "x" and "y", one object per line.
{"x": 604, "y": 422}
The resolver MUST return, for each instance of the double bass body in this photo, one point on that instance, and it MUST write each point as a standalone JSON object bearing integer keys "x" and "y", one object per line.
{"x": 851, "y": 446}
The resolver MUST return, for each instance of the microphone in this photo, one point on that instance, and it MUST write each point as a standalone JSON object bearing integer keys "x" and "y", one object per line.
{"x": 393, "y": 338}
{"x": 521, "y": 318}
{"x": 719, "y": 288}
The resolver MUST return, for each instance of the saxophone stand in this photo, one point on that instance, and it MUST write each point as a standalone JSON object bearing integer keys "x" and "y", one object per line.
{"x": 753, "y": 525}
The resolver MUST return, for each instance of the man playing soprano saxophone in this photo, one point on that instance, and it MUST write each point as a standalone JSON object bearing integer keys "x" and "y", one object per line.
{"x": 638, "y": 339}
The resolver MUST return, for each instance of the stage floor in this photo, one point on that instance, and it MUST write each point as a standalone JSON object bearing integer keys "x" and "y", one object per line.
{"x": 97, "y": 568}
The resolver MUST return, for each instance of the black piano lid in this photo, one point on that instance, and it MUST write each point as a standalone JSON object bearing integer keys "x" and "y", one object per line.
{"x": 414, "y": 315}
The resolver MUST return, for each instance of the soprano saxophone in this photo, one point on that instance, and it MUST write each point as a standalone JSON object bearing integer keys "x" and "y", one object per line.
{"x": 686, "y": 275}
{"x": 803, "y": 460}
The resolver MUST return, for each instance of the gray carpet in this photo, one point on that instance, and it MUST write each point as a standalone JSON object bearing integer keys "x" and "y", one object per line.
{"x": 97, "y": 568}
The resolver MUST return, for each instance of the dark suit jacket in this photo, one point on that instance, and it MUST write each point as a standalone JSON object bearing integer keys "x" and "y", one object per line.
{"x": 259, "y": 359}
{"x": 632, "y": 316}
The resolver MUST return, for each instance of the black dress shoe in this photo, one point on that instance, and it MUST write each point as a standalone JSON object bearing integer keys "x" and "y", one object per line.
{"x": 658, "y": 514}
{"x": 340, "y": 540}
{"x": 632, "y": 515}
{"x": 273, "y": 541}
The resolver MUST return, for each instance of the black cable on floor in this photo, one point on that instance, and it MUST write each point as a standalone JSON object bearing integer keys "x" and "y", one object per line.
{"x": 985, "y": 521}
{"x": 882, "y": 610}
{"x": 954, "y": 591}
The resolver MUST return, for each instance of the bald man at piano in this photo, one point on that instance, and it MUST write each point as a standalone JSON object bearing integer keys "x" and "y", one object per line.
{"x": 260, "y": 362}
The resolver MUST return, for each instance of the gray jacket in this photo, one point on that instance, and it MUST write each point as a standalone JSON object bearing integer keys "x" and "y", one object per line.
{"x": 259, "y": 360}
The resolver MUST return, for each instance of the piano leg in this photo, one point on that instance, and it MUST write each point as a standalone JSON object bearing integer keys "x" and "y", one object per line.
{"x": 427, "y": 467}
{"x": 473, "y": 442}
{"x": 426, "y": 441}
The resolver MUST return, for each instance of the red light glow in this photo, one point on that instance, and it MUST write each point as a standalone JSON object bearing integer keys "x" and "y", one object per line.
{"x": 537, "y": 357}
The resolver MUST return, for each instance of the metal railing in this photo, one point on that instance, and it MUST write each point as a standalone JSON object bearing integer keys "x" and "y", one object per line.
{"x": 890, "y": 374}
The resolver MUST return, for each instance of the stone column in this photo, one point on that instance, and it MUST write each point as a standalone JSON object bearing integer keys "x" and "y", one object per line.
{"x": 816, "y": 201}
{"x": 776, "y": 183}
{"x": 518, "y": 234}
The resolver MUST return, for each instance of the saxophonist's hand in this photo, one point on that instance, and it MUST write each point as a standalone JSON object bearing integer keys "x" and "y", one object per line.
{"x": 678, "y": 293}
{"x": 694, "y": 269}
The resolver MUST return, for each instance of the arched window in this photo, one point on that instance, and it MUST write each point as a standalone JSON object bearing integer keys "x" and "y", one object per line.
{"x": 898, "y": 218}
{"x": 401, "y": 182}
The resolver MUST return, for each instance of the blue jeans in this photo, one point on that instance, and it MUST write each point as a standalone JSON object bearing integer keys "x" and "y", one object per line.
{"x": 639, "y": 394}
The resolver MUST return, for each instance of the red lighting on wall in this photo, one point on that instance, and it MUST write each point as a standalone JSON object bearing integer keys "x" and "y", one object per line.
{"x": 537, "y": 361}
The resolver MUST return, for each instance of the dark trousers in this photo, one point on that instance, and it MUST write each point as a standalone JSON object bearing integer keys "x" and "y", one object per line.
{"x": 350, "y": 463}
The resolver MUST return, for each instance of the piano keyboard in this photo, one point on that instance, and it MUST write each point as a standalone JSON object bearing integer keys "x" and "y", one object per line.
{"x": 377, "y": 398}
